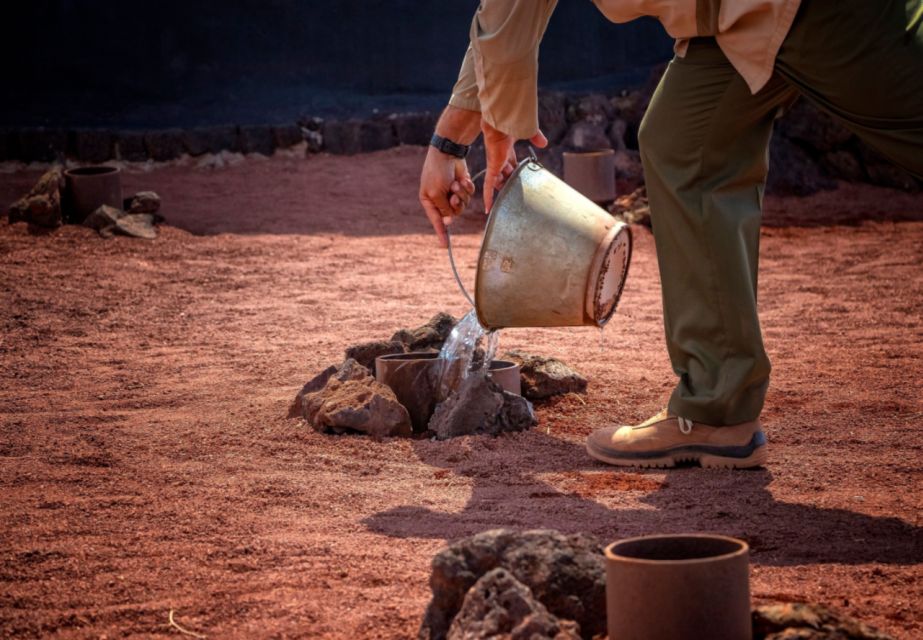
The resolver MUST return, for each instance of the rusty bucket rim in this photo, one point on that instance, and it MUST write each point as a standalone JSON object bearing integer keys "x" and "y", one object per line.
{"x": 742, "y": 549}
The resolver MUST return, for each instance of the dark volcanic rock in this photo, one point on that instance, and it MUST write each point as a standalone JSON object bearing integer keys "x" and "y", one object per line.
{"x": 802, "y": 621}
{"x": 130, "y": 146}
{"x": 552, "y": 115}
{"x": 41, "y": 145}
{"x": 629, "y": 173}
{"x": 166, "y": 144}
{"x": 257, "y": 139}
{"x": 812, "y": 128}
{"x": 792, "y": 171}
{"x": 366, "y": 352}
{"x": 42, "y": 205}
{"x": 341, "y": 137}
{"x": 616, "y": 132}
{"x": 498, "y": 605}
{"x": 427, "y": 336}
{"x": 414, "y": 128}
{"x": 287, "y": 135}
{"x": 883, "y": 172}
{"x": 375, "y": 135}
{"x": 480, "y": 406}
{"x": 211, "y": 140}
{"x": 545, "y": 377}
{"x": 566, "y": 573}
{"x": 594, "y": 108}
{"x": 92, "y": 145}
{"x": 586, "y": 136}
{"x": 9, "y": 148}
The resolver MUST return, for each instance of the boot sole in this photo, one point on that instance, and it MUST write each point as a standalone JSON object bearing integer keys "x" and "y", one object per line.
{"x": 757, "y": 458}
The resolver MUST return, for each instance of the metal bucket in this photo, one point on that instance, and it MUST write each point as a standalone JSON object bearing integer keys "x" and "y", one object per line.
{"x": 550, "y": 257}
{"x": 678, "y": 587}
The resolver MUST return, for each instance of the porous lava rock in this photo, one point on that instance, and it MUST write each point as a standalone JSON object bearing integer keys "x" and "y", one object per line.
{"x": 429, "y": 336}
{"x": 350, "y": 399}
{"x": 500, "y": 606}
{"x": 42, "y": 205}
{"x": 480, "y": 407}
{"x": 365, "y": 352}
{"x": 349, "y": 369}
{"x": 803, "y": 621}
{"x": 544, "y": 377}
{"x": 565, "y": 573}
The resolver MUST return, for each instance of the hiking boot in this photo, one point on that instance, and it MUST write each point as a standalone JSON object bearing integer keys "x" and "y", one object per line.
{"x": 664, "y": 440}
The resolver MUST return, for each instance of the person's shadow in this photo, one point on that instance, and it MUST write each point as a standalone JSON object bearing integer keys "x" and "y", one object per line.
{"x": 512, "y": 483}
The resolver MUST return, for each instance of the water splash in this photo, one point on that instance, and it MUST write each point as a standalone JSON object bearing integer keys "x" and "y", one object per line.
{"x": 469, "y": 349}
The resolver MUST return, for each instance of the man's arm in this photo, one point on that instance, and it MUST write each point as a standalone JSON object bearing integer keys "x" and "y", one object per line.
{"x": 497, "y": 92}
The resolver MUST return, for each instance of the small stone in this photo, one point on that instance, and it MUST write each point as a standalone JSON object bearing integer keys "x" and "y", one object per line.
{"x": 586, "y": 136}
{"x": 365, "y": 353}
{"x": 480, "y": 407}
{"x": 804, "y": 621}
{"x": 42, "y": 205}
{"x": 498, "y": 605}
{"x": 103, "y": 219}
{"x": 136, "y": 225}
{"x": 565, "y": 573}
{"x": 545, "y": 377}
{"x": 364, "y": 405}
{"x": 142, "y": 202}
{"x": 427, "y": 336}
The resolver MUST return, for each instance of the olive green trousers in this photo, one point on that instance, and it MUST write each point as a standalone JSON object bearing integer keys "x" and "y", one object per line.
{"x": 704, "y": 146}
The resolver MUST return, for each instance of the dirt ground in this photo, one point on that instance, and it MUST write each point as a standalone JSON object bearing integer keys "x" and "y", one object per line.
{"x": 146, "y": 463}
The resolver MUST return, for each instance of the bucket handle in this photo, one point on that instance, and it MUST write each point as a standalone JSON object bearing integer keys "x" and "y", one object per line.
{"x": 448, "y": 236}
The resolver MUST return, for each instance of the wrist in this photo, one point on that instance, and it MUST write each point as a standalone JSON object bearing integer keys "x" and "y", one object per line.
{"x": 459, "y": 125}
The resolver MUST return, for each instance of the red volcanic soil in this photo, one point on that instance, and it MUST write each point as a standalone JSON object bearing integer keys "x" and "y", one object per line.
{"x": 146, "y": 463}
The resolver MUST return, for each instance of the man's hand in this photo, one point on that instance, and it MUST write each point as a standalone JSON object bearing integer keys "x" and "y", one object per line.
{"x": 445, "y": 186}
{"x": 445, "y": 189}
{"x": 501, "y": 159}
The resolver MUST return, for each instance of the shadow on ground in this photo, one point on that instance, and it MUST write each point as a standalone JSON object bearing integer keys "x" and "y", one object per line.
{"x": 735, "y": 503}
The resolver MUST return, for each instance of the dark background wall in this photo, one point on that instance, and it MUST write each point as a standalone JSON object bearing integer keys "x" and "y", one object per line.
{"x": 167, "y": 63}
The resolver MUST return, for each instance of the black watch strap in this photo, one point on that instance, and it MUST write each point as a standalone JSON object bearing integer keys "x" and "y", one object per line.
{"x": 448, "y": 146}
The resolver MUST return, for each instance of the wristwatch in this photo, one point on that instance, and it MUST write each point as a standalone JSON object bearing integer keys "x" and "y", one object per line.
{"x": 448, "y": 146}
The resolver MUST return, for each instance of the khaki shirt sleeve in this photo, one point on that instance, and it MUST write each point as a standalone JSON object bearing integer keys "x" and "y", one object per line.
{"x": 503, "y": 60}
{"x": 465, "y": 92}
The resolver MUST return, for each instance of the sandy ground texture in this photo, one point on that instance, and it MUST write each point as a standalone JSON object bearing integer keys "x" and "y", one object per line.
{"x": 146, "y": 463}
